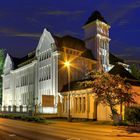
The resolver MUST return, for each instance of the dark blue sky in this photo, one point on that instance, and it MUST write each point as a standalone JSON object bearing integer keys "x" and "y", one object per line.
{"x": 22, "y": 22}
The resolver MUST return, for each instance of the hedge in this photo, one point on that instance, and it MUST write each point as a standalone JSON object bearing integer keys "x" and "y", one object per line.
{"x": 24, "y": 118}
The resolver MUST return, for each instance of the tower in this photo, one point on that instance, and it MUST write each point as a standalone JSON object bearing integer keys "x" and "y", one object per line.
{"x": 97, "y": 39}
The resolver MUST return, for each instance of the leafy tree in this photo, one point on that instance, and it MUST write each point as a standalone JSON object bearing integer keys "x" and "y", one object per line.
{"x": 111, "y": 90}
{"x": 2, "y": 56}
{"x": 135, "y": 71}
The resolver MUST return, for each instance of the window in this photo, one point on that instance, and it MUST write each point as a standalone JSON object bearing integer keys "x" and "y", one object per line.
{"x": 84, "y": 104}
{"x": 45, "y": 55}
{"x": 49, "y": 72}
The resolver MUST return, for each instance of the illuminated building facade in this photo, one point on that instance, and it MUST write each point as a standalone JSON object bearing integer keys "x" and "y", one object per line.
{"x": 35, "y": 81}
{"x": 97, "y": 39}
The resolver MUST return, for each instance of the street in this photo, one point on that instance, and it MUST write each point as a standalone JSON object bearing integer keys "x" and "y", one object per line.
{"x": 10, "y": 136}
{"x": 60, "y": 130}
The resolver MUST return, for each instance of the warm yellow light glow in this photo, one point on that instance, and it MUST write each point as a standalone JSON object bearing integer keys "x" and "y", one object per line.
{"x": 70, "y": 61}
{"x": 67, "y": 63}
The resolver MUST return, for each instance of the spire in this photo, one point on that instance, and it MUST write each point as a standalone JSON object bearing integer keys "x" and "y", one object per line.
{"x": 94, "y": 16}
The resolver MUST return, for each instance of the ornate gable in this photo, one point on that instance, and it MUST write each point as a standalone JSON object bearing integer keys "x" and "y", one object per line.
{"x": 8, "y": 65}
{"x": 46, "y": 41}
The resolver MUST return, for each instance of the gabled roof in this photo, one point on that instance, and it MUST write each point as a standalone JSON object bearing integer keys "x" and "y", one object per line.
{"x": 120, "y": 70}
{"x": 117, "y": 70}
{"x": 18, "y": 62}
{"x": 94, "y": 16}
{"x": 73, "y": 43}
{"x": 65, "y": 41}
{"x": 15, "y": 61}
{"x": 70, "y": 42}
{"x": 76, "y": 85}
{"x": 113, "y": 59}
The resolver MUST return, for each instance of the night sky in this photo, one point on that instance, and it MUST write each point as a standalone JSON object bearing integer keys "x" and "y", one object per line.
{"x": 22, "y": 22}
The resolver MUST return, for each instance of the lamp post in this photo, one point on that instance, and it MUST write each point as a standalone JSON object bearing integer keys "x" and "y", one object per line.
{"x": 35, "y": 105}
{"x": 67, "y": 64}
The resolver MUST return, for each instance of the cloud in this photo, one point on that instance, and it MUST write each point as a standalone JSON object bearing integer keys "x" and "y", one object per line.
{"x": 32, "y": 20}
{"x": 123, "y": 55}
{"x": 133, "y": 49}
{"x": 15, "y": 33}
{"x": 122, "y": 23}
{"x": 132, "y": 61}
{"x": 127, "y": 51}
{"x": 133, "y": 30}
{"x": 123, "y": 10}
{"x": 32, "y": 35}
{"x": 67, "y": 32}
{"x": 62, "y": 13}
{"x": 134, "y": 5}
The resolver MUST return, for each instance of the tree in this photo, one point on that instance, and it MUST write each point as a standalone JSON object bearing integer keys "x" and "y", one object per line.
{"x": 135, "y": 71}
{"x": 111, "y": 90}
{"x": 2, "y": 56}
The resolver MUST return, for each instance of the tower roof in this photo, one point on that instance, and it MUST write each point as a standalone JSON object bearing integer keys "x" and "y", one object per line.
{"x": 94, "y": 16}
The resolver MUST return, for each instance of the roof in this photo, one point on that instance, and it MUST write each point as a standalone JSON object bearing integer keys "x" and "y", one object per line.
{"x": 94, "y": 16}
{"x": 120, "y": 70}
{"x": 65, "y": 41}
{"x": 73, "y": 43}
{"x": 113, "y": 59}
{"x": 16, "y": 61}
{"x": 116, "y": 70}
{"x": 70, "y": 42}
{"x": 19, "y": 62}
{"x": 76, "y": 85}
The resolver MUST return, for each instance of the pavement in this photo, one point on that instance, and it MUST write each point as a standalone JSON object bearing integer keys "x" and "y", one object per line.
{"x": 61, "y": 130}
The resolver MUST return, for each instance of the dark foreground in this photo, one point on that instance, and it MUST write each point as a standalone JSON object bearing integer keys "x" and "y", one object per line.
{"x": 19, "y": 130}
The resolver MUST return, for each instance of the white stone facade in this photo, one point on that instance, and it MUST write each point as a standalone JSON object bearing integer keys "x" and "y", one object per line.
{"x": 39, "y": 80}
{"x": 25, "y": 85}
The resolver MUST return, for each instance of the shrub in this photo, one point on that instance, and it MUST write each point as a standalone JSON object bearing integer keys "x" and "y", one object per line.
{"x": 17, "y": 117}
{"x": 121, "y": 123}
{"x": 132, "y": 114}
{"x": 24, "y": 118}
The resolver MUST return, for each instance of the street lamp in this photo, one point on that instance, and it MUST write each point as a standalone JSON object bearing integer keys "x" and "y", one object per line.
{"x": 67, "y": 64}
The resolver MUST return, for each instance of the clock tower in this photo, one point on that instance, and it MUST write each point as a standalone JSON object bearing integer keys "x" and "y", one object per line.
{"x": 97, "y": 39}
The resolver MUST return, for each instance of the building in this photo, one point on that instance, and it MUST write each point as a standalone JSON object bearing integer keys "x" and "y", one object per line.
{"x": 34, "y": 82}
{"x": 83, "y": 102}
